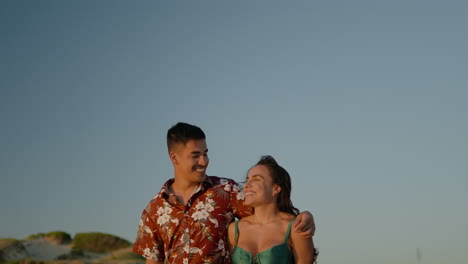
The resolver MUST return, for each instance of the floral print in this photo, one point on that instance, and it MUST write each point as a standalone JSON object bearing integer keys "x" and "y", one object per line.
{"x": 195, "y": 233}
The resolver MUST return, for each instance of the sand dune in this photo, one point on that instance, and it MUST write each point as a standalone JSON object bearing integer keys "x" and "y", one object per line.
{"x": 42, "y": 249}
{"x": 39, "y": 249}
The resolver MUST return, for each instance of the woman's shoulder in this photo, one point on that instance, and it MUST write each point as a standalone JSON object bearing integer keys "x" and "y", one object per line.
{"x": 232, "y": 232}
{"x": 231, "y": 227}
{"x": 245, "y": 221}
{"x": 287, "y": 217}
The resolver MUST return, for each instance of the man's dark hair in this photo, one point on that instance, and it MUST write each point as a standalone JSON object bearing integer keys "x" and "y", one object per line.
{"x": 281, "y": 178}
{"x": 182, "y": 133}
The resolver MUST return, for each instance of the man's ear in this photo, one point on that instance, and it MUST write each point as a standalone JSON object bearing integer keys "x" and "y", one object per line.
{"x": 173, "y": 157}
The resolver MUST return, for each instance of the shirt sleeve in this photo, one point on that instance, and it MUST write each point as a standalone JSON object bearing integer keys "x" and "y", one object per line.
{"x": 148, "y": 242}
{"x": 237, "y": 201}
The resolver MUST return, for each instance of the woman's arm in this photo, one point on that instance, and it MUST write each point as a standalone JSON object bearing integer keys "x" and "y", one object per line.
{"x": 303, "y": 248}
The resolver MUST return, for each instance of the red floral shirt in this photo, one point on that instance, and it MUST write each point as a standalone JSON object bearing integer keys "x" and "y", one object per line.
{"x": 195, "y": 233}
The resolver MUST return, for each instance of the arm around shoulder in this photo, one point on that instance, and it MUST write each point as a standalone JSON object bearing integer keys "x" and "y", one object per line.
{"x": 305, "y": 224}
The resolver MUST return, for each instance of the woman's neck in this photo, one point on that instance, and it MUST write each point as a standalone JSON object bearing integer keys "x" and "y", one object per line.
{"x": 266, "y": 214}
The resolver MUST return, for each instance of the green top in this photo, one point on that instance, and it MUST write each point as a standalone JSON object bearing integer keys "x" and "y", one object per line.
{"x": 279, "y": 254}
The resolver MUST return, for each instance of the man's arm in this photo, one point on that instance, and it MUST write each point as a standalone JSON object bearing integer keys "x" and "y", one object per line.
{"x": 150, "y": 261}
{"x": 237, "y": 201}
{"x": 303, "y": 249}
{"x": 148, "y": 243}
{"x": 304, "y": 224}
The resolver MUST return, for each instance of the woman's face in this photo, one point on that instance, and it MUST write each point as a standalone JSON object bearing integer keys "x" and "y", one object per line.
{"x": 259, "y": 188}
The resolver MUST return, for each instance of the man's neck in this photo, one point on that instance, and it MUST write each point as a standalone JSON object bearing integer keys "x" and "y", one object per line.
{"x": 183, "y": 190}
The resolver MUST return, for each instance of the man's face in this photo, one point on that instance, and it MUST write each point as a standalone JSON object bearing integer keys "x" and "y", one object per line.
{"x": 191, "y": 160}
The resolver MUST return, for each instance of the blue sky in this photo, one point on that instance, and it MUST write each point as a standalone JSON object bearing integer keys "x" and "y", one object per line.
{"x": 363, "y": 102}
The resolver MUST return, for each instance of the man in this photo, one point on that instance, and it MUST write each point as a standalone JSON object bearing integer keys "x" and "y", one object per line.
{"x": 187, "y": 221}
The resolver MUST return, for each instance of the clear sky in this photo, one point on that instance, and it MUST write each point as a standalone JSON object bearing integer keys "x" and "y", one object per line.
{"x": 363, "y": 102}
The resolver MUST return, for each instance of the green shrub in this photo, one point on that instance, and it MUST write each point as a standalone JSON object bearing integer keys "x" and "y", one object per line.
{"x": 77, "y": 253}
{"x": 5, "y": 242}
{"x": 38, "y": 235}
{"x": 25, "y": 261}
{"x": 74, "y": 254}
{"x": 59, "y": 236}
{"x": 98, "y": 242}
{"x": 56, "y": 235}
{"x": 31, "y": 261}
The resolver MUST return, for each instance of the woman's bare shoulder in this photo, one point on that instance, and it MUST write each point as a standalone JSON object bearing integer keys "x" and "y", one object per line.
{"x": 246, "y": 220}
{"x": 287, "y": 217}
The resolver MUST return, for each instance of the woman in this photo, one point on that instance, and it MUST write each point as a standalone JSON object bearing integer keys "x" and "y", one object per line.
{"x": 265, "y": 236}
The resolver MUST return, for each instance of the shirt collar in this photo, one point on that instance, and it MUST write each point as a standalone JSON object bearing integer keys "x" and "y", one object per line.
{"x": 207, "y": 183}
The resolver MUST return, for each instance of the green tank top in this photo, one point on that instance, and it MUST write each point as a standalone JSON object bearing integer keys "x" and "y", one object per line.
{"x": 279, "y": 254}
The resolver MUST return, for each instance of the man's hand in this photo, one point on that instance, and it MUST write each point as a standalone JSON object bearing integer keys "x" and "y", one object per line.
{"x": 304, "y": 224}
